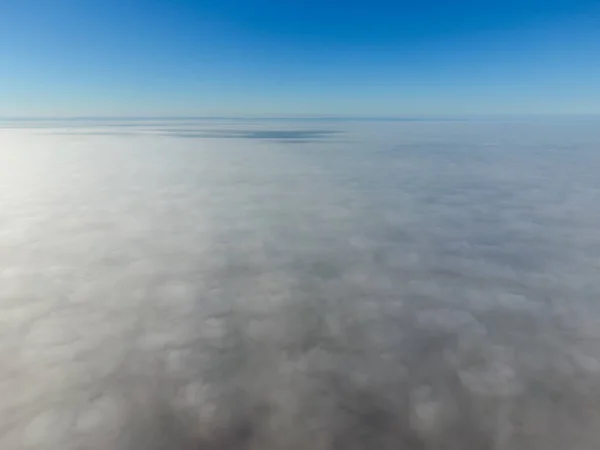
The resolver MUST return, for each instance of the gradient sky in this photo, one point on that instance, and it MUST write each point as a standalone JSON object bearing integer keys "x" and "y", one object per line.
{"x": 296, "y": 57}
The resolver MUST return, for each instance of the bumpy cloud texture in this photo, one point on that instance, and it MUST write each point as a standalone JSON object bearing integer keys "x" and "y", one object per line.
{"x": 379, "y": 285}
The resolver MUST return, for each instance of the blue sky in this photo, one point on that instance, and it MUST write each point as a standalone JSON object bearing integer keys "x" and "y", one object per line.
{"x": 297, "y": 57}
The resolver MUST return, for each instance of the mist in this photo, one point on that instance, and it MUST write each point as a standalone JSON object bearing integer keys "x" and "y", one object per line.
{"x": 234, "y": 284}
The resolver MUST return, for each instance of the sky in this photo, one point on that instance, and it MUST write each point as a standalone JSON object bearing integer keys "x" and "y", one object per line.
{"x": 67, "y": 58}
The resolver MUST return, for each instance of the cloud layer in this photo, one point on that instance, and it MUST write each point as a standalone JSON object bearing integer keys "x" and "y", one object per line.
{"x": 420, "y": 286}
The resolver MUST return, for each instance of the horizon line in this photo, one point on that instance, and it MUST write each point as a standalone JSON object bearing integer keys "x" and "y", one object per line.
{"x": 303, "y": 117}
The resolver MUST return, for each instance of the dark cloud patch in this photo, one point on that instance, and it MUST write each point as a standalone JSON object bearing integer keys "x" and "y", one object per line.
{"x": 279, "y": 136}
{"x": 290, "y": 136}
